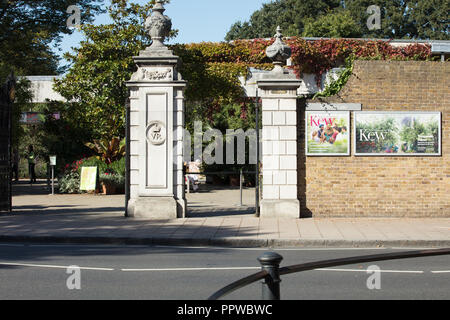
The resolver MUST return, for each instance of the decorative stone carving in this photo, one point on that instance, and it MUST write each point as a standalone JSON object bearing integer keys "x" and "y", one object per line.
{"x": 279, "y": 52}
{"x": 156, "y": 133}
{"x": 152, "y": 74}
{"x": 158, "y": 25}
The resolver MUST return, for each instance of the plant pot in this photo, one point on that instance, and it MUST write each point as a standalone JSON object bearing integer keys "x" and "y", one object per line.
{"x": 108, "y": 189}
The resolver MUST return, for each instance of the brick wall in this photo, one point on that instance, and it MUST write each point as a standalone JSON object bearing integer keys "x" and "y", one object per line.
{"x": 382, "y": 186}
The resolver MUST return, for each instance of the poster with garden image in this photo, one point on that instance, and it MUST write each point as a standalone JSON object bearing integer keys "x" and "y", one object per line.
{"x": 327, "y": 133}
{"x": 397, "y": 133}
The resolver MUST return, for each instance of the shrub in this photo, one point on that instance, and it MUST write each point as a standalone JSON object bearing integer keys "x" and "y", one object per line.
{"x": 69, "y": 182}
{"x": 118, "y": 167}
{"x": 108, "y": 150}
{"x": 112, "y": 179}
{"x": 93, "y": 162}
{"x": 112, "y": 174}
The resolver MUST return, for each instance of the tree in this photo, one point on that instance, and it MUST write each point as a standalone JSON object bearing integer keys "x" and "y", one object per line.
{"x": 30, "y": 28}
{"x": 400, "y": 19}
{"x": 396, "y": 18}
{"x": 431, "y": 19}
{"x": 23, "y": 97}
{"x": 95, "y": 83}
{"x": 337, "y": 24}
{"x": 404, "y": 19}
{"x": 289, "y": 14}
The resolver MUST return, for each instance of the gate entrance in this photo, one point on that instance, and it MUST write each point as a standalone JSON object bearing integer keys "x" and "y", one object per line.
{"x": 224, "y": 178}
{"x": 157, "y": 132}
{"x": 223, "y": 193}
{"x": 6, "y": 99}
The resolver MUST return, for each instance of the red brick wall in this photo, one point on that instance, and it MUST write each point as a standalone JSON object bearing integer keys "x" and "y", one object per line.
{"x": 383, "y": 186}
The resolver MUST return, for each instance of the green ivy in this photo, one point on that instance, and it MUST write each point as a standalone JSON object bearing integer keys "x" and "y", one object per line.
{"x": 335, "y": 86}
{"x": 212, "y": 69}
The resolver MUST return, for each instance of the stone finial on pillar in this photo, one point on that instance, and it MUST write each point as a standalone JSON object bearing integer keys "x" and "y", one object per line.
{"x": 279, "y": 52}
{"x": 279, "y": 107}
{"x": 158, "y": 25}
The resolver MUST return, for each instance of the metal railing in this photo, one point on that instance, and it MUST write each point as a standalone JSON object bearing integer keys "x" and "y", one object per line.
{"x": 271, "y": 271}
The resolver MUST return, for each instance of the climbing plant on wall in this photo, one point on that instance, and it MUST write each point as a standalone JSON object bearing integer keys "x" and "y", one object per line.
{"x": 212, "y": 69}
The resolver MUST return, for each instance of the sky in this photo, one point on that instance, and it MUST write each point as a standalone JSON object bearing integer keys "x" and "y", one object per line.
{"x": 196, "y": 20}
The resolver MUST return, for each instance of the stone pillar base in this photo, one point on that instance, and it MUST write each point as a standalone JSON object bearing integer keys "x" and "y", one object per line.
{"x": 156, "y": 208}
{"x": 280, "y": 209}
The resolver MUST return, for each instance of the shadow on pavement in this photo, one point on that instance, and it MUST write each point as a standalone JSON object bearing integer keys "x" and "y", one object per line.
{"x": 23, "y": 187}
{"x": 41, "y": 210}
{"x": 208, "y": 201}
{"x": 205, "y": 211}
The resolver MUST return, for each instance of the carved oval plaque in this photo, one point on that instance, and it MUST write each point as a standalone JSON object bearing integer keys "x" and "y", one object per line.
{"x": 156, "y": 133}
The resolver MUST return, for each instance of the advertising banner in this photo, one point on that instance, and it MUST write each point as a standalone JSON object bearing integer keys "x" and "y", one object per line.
{"x": 397, "y": 133}
{"x": 327, "y": 133}
{"x": 37, "y": 117}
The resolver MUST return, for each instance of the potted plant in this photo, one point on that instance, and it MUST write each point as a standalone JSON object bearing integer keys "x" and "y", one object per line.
{"x": 111, "y": 182}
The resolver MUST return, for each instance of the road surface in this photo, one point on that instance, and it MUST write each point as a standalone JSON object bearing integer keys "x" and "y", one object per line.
{"x": 40, "y": 271}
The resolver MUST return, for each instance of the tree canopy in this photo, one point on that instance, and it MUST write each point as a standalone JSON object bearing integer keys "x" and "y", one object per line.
{"x": 30, "y": 28}
{"x": 95, "y": 83}
{"x": 336, "y": 24}
{"x": 400, "y": 19}
{"x": 23, "y": 97}
{"x": 289, "y": 14}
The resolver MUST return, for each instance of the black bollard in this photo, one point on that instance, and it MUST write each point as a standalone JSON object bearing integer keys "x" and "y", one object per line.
{"x": 270, "y": 262}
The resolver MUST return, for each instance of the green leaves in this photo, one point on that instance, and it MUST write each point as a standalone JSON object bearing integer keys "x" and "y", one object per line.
{"x": 212, "y": 69}
{"x": 108, "y": 150}
{"x": 336, "y": 86}
{"x": 30, "y": 28}
{"x": 95, "y": 83}
{"x": 410, "y": 19}
{"x": 334, "y": 24}
{"x": 289, "y": 14}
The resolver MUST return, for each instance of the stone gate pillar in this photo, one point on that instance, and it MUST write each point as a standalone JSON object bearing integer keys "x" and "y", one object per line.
{"x": 156, "y": 128}
{"x": 279, "y": 113}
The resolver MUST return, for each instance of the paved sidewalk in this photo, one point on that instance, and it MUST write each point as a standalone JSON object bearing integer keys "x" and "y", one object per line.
{"x": 40, "y": 217}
